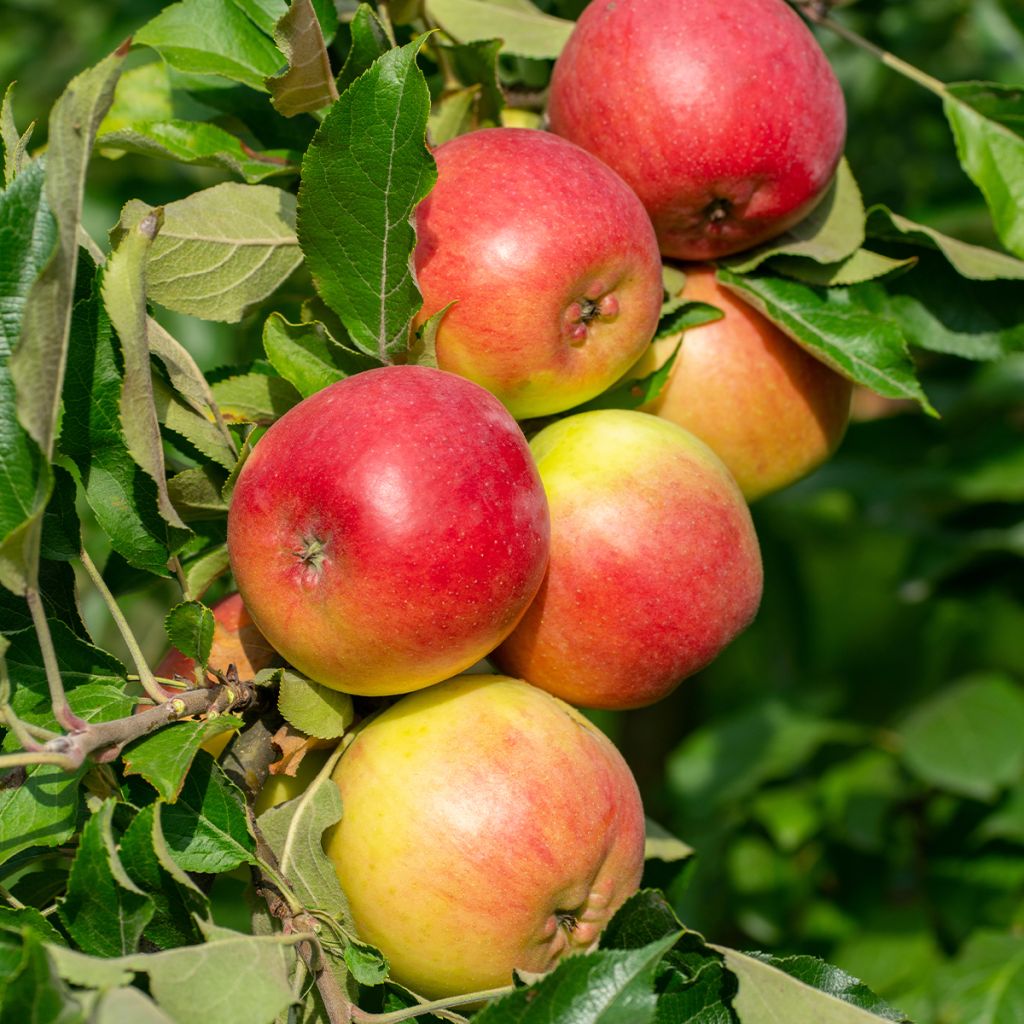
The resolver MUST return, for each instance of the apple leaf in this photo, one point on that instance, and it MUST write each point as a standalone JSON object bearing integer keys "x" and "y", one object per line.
{"x": 971, "y": 261}
{"x": 172, "y": 923}
{"x": 42, "y": 811}
{"x": 769, "y": 992}
{"x": 202, "y": 145}
{"x": 453, "y": 115}
{"x": 122, "y": 497}
{"x": 834, "y": 328}
{"x": 524, "y": 29}
{"x": 196, "y": 493}
{"x": 127, "y": 1006}
{"x": 660, "y": 844}
{"x": 189, "y": 627}
{"x": 219, "y": 251}
{"x": 104, "y": 911}
{"x": 267, "y": 13}
{"x": 363, "y": 175}
{"x": 423, "y": 351}
{"x": 200, "y": 430}
{"x": 985, "y": 983}
{"x": 607, "y": 987}
{"x": 685, "y": 314}
{"x": 314, "y": 709}
{"x": 31, "y": 990}
{"x": 15, "y": 146}
{"x": 863, "y": 265}
{"x": 307, "y": 84}
{"x": 475, "y": 66}
{"x": 205, "y": 828}
{"x": 28, "y": 231}
{"x": 632, "y": 394}
{"x": 830, "y": 233}
{"x": 990, "y": 146}
{"x": 308, "y": 357}
{"x": 254, "y": 398}
{"x": 212, "y": 39}
{"x": 203, "y": 570}
{"x": 369, "y": 41}
{"x": 164, "y": 757}
{"x": 966, "y": 739}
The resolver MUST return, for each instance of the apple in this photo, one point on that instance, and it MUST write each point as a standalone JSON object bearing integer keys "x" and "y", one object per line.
{"x": 487, "y": 827}
{"x": 389, "y": 531}
{"x": 725, "y": 118}
{"x": 277, "y": 789}
{"x": 768, "y": 408}
{"x": 654, "y": 567}
{"x": 550, "y": 261}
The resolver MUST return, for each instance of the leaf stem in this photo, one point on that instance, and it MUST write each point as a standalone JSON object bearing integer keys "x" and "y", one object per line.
{"x": 66, "y": 718}
{"x": 396, "y": 1016}
{"x": 24, "y": 758}
{"x": 145, "y": 675}
{"x": 13, "y": 900}
{"x": 27, "y": 735}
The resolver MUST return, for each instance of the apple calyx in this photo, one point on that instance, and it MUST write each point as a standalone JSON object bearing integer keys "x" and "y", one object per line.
{"x": 311, "y": 554}
{"x": 596, "y": 304}
{"x": 717, "y": 210}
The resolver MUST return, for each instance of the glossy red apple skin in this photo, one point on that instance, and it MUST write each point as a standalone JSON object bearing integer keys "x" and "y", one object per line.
{"x": 769, "y": 410}
{"x": 724, "y": 117}
{"x": 552, "y": 264}
{"x": 654, "y": 569}
{"x": 487, "y": 827}
{"x": 389, "y": 531}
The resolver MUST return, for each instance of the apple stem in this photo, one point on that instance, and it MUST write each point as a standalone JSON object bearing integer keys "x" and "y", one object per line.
{"x": 814, "y": 13}
{"x": 396, "y": 1016}
{"x": 146, "y": 679}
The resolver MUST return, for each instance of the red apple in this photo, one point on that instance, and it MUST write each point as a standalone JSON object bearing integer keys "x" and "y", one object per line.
{"x": 487, "y": 827}
{"x": 390, "y": 530}
{"x": 654, "y": 567}
{"x": 550, "y": 260}
{"x": 724, "y": 117}
{"x": 768, "y": 408}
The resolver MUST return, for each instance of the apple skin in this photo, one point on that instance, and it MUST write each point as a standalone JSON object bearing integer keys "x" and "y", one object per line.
{"x": 280, "y": 788}
{"x": 389, "y": 531}
{"x": 725, "y": 118}
{"x": 487, "y": 826}
{"x": 552, "y": 264}
{"x": 655, "y": 566}
{"x": 769, "y": 410}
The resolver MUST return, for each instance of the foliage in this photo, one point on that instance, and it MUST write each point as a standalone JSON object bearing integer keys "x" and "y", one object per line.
{"x": 849, "y": 773}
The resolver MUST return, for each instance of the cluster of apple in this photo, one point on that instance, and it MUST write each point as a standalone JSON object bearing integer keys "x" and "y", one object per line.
{"x": 394, "y": 529}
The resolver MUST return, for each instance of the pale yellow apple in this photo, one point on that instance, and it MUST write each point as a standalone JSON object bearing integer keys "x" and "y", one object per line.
{"x": 487, "y": 826}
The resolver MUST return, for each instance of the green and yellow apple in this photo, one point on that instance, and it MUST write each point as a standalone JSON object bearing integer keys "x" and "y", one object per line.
{"x": 654, "y": 566}
{"x": 724, "y": 117}
{"x": 550, "y": 261}
{"x": 768, "y": 409}
{"x": 487, "y": 827}
{"x": 388, "y": 531}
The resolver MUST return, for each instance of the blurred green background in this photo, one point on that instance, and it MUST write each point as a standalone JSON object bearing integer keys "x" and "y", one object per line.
{"x": 851, "y": 771}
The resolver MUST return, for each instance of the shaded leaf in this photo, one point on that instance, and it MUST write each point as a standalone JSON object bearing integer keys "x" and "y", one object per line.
{"x": 254, "y": 398}
{"x": 314, "y": 709}
{"x": 42, "y": 811}
{"x": 863, "y": 265}
{"x": 632, "y": 394}
{"x": 683, "y": 314}
{"x": 196, "y": 494}
{"x": 985, "y": 984}
{"x": 524, "y": 29}
{"x": 362, "y": 177}
{"x": 189, "y": 627}
{"x": 369, "y": 41}
{"x": 127, "y": 1006}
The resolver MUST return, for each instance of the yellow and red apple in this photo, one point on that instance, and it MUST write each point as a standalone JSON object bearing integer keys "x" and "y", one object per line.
{"x": 487, "y": 827}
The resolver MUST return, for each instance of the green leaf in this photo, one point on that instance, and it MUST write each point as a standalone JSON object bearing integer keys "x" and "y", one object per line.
{"x": 201, "y": 431}
{"x": 196, "y": 494}
{"x": 15, "y": 145}
{"x": 27, "y": 236}
{"x": 254, "y": 398}
{"x": 453, "y": 115}
{"x": 164, "y": 757}
{"x": 1007, "y": 821}
{"x": 632, "y": 394}
{"x": 314, "y": 709}
{"x": 307, "y": 356}
{"x": 104, "y": 911}
{"x": 127, "y": 1006}
{"x": 295, "y": 833}
{"x": 221, "y": 250}
{"x": 307, "y": 84}
{"x": 366, "y": 964}
{"x": 971, "y": 261}
{"x": 42, "y": 811}
{"x": 30, "y": 919}
{"x": 31, "y": 991}
{"x": 212, "y": 39}
{"x": 831, "y": 232}
{"x": 768, "y": 993}
{"x": 985, "y": 984}
{"x": 966, "y": 739}
{"x": 201, "y": 572}
{"x": 524, "y": 29}
{"x": 369, "y": 41}
{"x": 990, "y": 151}
{"x": 362, "y": 177}
{"x": 827, "y": 322}
{"x": 267, "y": 13}
{"x": 611, "y": 987}
{"x": 37, "y": 366}
{"x": 189, "y": 627}
{"x": 660, "y": 844}
{"x": 206, "y": 828}
{"x": 480, "y": 103}
{"x": 863, "y": 265}
{"x": 201, "y": 145}
{"x": 122, "y": 497}
{"x": 644, "y": 918}
{"x": 682, "y": 314}
{"x": 423, "y": 351}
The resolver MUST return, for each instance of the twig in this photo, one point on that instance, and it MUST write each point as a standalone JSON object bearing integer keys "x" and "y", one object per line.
{"x": 141, "y": 665}
{"x": 66, "y": 718}
{"x": 396, "y": 1016}
{"x": 13, "y": 900}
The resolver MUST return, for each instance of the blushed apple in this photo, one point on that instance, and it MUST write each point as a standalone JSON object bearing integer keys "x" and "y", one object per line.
{"x": 654, "y": 569}
{"x": 487, "y": 827}
{"x": 550, "y": 261}
{"x": 388, "y": 531}
{"x": 769, "y": 410}
{"x": 724, "y": 117}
